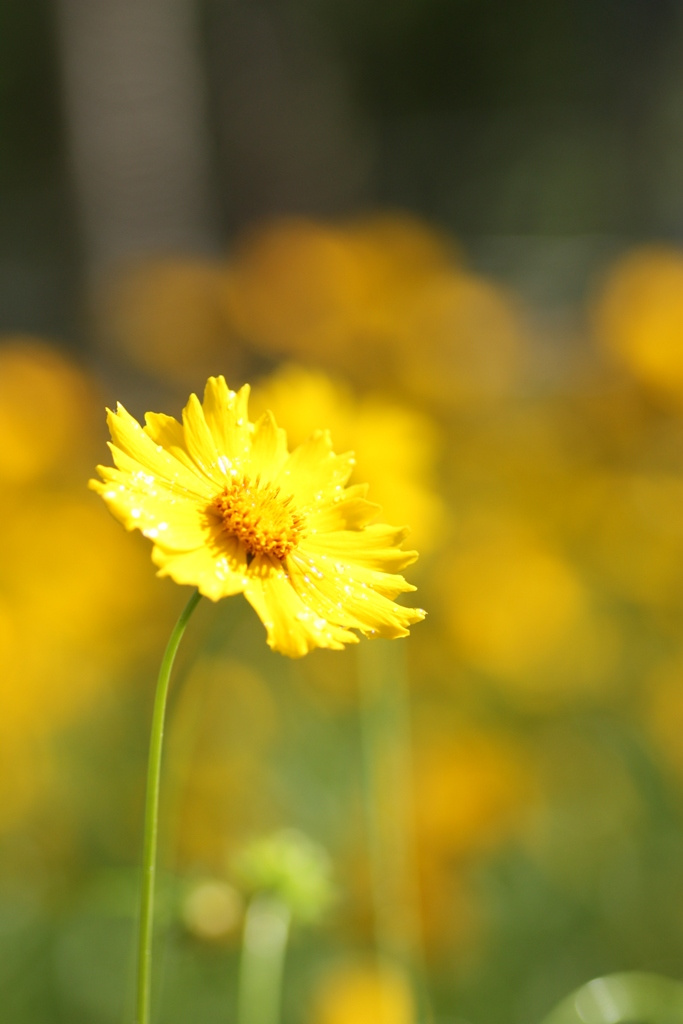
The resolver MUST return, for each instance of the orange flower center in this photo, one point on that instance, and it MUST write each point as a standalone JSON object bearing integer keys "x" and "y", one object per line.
{"x": 260, "y": 517}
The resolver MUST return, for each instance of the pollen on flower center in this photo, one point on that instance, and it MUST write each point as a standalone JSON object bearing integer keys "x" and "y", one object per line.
{"x": 260, "y": 517}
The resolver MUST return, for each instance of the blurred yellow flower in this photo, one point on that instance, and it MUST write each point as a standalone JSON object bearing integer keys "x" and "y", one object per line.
{"x": 231, "y": 511}
{"x": 364, "y": 995}
{"x": 342, "y": 295}
{"x": 459, "y": 340}
{"x": 639, "y": 317}
{"x": 635, "y": 535}
{"x": 310, "y": 289}
{"x": 401, "y": 248}
{"x": 292, "y": 287}
{"x": 62, "y": 619}
{"x": 395, "y": 446}
{"x": 473, "y": 790}
{"x": 35, "y": 376}
{"x": 69, "y": 591}
{"x": 520, "y": 612}
{"x": 167, "y": 316}
{"x": 516, "y": 599}
{"x": 385, "y": 299}
{"x": 470, "y": 788}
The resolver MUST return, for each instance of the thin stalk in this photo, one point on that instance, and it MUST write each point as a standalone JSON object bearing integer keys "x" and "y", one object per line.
{"x": 385, "y": 721}
{"x": 264, "y": 944}
{"x": 151, "y": 828}
{"x": 372, "y": 729}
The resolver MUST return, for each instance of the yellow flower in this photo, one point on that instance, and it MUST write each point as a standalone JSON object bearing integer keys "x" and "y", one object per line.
{"x": 521, "y": 613}
{"x": 231, "y": 510}
{"x": 460, "y": 342}
{"x": 166, "y": 316}
{"x": 395, "y": 446}
{"x": 34, "y": 447}
{"x": 359, "y": 994}
{"x": 639, "y": 317}
{"x": 305, "y": 288}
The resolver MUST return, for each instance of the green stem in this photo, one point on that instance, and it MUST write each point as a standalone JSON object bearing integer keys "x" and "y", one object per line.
{"x": 385, "y": 720}
{"x": 372, "y": 726}
{"x": 266, "y": 931}
{"x": 149, "y": 850}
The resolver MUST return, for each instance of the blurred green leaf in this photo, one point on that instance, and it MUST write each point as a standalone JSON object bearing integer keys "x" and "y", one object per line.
{"x": 631, "y": 998}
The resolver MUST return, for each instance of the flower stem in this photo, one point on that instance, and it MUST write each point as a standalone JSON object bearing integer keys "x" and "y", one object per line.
{"x": 149, "y": 850}
{"x": 385, "y": 722}
{"x": 266, "y": 931}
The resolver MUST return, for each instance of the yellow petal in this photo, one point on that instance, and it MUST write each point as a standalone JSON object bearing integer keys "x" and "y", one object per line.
{"x": 200, "y": 443}
{"x": 313, "y": 472}
{"x": 167, "y": 432}
{"x": 375, "y": 547}
{"x": 342, "y": 594}
{"x": 184, "y": 485}
{"x": 216, "y": 568}
{"x": 175, "y": 521}
{"x": 268, "y": 448}
{"x": 225, "y": 413}
{"x": 130, "y": 439}
{"x": 328, "y": 602}
{"x": 351, "y": 512}
{"x": 388, "y": 584}
{"x": 292, "y": 628}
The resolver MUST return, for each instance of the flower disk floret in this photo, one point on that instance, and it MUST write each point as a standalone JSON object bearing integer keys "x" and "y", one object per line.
{"x": 230, "y": 510}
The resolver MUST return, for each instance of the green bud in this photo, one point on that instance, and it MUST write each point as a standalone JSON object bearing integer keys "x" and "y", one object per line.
{"x": 291, "y": 867}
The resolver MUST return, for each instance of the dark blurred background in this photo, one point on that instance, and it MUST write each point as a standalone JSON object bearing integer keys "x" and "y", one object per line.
{"x": 536, "y": 132}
